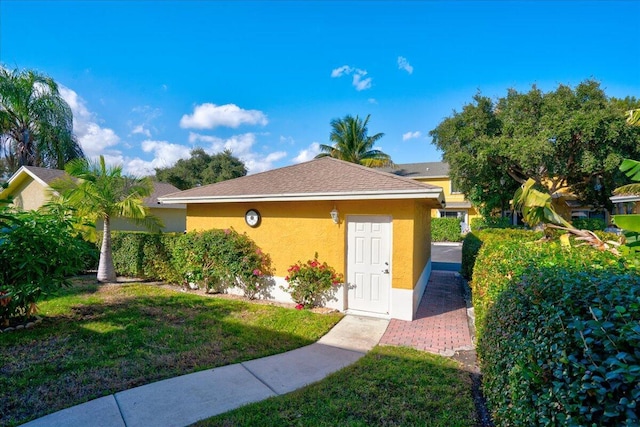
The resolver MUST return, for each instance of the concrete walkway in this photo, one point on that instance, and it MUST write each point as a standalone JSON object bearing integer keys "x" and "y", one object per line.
{"x": 441, "y": 327}
{"x": 189, "y": 398}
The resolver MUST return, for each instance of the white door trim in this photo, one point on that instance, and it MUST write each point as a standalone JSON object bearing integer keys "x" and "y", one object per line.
{"x": 382, "y": 306}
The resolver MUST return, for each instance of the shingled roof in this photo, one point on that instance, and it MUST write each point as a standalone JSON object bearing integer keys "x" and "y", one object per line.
{"x": 46, "y": 176}
{"x": 319, "y": 179}
{"x": 419, "y": 170}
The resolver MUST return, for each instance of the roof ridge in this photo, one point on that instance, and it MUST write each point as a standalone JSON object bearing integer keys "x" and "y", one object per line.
{"x": 387, "y": 174}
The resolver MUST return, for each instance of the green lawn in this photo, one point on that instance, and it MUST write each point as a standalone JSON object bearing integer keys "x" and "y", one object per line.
{"x": 99, "y": 339}
{"x": 390, "y": 386}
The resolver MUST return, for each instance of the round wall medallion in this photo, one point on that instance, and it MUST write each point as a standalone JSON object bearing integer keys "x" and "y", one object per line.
{"x": 252, "y": 218}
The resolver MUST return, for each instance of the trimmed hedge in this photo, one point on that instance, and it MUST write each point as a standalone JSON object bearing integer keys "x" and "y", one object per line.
{"x": 214, "y": 259}
{"x": 593, "y": 224}
{"x": 490, "y": 222}
{"x": 562, "y": 347}
{"x": 145, "y": 255}
{"x": 445, "y": 230}
{"x": 559, "y": 331}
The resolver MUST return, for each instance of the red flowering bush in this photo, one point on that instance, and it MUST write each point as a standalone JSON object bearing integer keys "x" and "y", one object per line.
{"x": 311, "y": 283}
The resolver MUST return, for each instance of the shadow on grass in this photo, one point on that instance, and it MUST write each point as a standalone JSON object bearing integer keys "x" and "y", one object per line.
{"x": 98, "y": 340}
{"x": 390, "y": 386}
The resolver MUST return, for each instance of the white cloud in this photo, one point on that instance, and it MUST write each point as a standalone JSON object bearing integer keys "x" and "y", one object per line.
{"x": 242, "y": 146}
{"x": 338, "y": 72}
{"x": 372, "y": 101}
{"x": 209, "y": 116}
{"x": 165, "y": 154}
{"x": 308, "y": 153}
{"x": 359, "y": 82}
{"x": 403, "y": 64}
{"x": 140, "y": 129}
{"x": 287, "y": 140}
{"x": 411, "y": 135}
{"x": 93, "y": 138}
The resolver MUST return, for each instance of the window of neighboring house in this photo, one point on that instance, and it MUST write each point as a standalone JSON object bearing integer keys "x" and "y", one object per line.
{"x": 454, "y": 188}
{"x": 585, "y": 213}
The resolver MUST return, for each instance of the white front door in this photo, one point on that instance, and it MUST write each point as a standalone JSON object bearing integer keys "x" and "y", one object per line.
{"x": 369, "y": 263}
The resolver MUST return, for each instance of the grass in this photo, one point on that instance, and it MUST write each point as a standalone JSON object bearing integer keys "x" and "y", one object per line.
{"x": 390, "y": 386}
{"x": 95, "y": 340}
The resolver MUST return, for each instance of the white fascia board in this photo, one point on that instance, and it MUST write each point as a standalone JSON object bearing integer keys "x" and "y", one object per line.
{"x": 374, "y": 195}
{"x": 623, "y": 199}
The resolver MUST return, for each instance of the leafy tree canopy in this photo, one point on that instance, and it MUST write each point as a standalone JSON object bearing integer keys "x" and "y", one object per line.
{"x": 202, "y": 169}
{"x": 568, "y": 139}
{"x": 36, "y": 124}
{"x": 352, "y": 143}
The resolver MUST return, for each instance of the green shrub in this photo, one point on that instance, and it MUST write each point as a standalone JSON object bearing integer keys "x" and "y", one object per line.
{"x": 38, "y": 252}
{"x": 561, "y": 347}
{"x": 144, "y": 255}
{"x": 490, "y": 222}
{"x": 214, "y": 259}
{"x": 593, "y": 224}
{"x": 506, "y": 254}
{"x": 557, "y": 330}
{"x": 310, "y": 282}
{"x": 470, "y": 247}
{"x": 445, "y": 230}
{"x": 220, "y": 259}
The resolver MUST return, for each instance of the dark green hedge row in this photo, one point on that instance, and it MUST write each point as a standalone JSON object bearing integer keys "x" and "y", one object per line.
{"x": 593, "y": 224}
{"x": 445, "y": 230}
{"x": 145, "y": 255}
{"x": 213, "y": 259}
{"x": 490, "y": 222}
{"x": 559, "y": 330}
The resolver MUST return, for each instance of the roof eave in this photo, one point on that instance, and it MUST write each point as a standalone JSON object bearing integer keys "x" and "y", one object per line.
{"x": 435, "y": 194}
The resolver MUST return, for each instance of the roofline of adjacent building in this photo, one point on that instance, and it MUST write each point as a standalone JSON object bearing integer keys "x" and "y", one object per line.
{"x": 436, "y": 194}
{"x": 625, "y": 198}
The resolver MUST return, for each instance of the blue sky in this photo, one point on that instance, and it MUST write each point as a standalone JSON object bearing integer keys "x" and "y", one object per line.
{"x": 149, "y": 81}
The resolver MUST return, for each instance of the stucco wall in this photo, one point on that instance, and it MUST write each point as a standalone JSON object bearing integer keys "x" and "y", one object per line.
{"x": 174, "y": 220}
{"x": 450, "y": 197}
{"x": 292, "y": 231}
{"x": 30, "y": 195}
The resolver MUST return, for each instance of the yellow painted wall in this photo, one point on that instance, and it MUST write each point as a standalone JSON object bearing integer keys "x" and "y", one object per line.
{"x": 450, "y": 197}
{"x": 422, "y": 238}
{"x": 294, "y": 231}
{"x": 29, "y": 195}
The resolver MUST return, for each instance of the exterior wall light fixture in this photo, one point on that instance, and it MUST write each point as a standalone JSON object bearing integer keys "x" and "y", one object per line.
{"x": 335, "y": 216}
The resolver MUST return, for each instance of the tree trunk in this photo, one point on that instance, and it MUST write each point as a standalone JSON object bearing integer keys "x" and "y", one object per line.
{"x": 106, "y": 270}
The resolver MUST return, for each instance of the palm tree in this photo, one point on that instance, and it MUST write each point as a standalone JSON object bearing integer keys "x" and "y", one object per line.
{"x": 97, "y": 192}
{"x": 36, "y": 124}
{"x": 352, "y": 144}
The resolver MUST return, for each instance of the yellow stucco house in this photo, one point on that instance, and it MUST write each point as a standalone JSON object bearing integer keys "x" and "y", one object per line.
{"x": 29, "y": 188}
{"x": 437, "y": 173}
{"x": 372, "y": 226}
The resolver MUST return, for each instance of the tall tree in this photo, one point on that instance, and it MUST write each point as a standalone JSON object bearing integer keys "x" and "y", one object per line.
{"x": 568, "y": 139}
{"x": 352, "y": 143}
{"x": 98, "y": 192}
{"x": 36, "y": 124}
{"x": 202, "y": 169}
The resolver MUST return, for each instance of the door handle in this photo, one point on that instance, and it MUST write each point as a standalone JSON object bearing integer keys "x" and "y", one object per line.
{"x": 385, "y": 271}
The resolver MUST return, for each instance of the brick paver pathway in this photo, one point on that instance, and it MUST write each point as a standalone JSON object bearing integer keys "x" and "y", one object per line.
{"x": 441, "y": 324}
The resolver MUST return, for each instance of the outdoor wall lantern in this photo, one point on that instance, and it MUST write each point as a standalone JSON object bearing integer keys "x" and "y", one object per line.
{"x": 335, "y": 216}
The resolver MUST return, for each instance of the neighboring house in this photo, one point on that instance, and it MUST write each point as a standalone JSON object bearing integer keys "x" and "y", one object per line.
{"x": 370, "y": 225}
{"x": 625, "y": 205}
{"x": 29, "y": 188}
{"x": 437, "y": 173}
